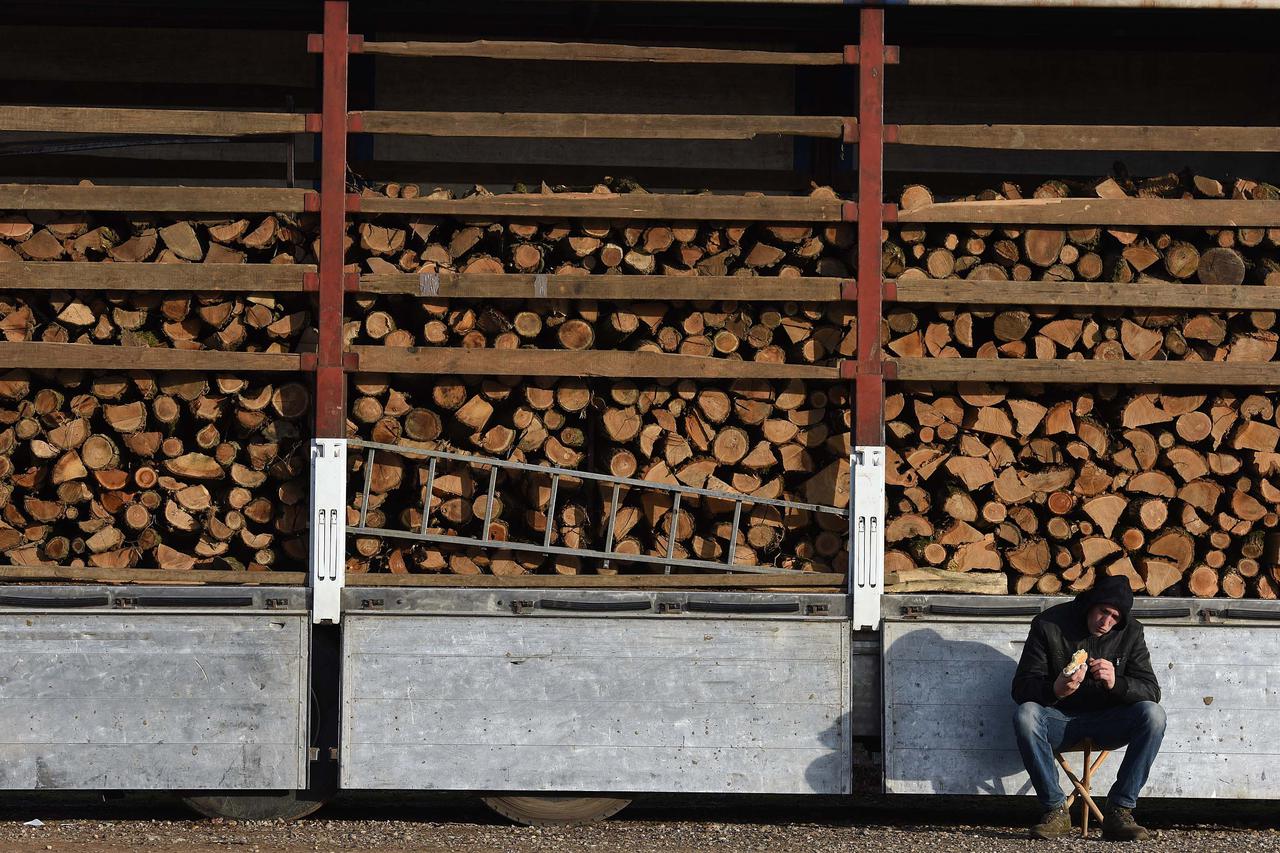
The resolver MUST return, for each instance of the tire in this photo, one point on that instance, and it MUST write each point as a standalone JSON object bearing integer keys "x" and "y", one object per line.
{"x": 556, "y": 811}
{"x": 292, "y": 805}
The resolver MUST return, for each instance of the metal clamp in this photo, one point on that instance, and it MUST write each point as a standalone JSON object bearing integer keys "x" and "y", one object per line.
{"x": 866, "y": 536}
{"x": 328, "y": 528}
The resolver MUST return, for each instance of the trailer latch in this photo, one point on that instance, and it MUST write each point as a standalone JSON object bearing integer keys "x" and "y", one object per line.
{"x": 817, "y": 609}
{"x": 670, "y": 607}
{"x": 522, "y": 606}
{"x": 124, "y": 602}
{"x": 277, "y": 603}
{"x": 912, "y": 611}
{"x": 372, "y": 603}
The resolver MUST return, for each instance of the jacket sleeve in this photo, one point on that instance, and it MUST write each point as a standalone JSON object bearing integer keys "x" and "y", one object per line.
{"x": 1138, "y": 683}
{"x": 1033, "y": 682}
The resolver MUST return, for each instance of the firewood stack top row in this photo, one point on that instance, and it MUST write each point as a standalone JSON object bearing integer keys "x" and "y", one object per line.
{"x": 1027, "y": 488}
{"x": 263, "y": 322}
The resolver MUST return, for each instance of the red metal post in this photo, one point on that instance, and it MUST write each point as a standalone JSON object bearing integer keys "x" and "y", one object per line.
{"x": 331, "y": 420}
{"x": 869, "y": 376}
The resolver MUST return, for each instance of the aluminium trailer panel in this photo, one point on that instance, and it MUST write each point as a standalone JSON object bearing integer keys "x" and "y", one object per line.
{"x": 948, "y": 662}
{"x": 584, "y": 691}
{"x": 137, "y": 688}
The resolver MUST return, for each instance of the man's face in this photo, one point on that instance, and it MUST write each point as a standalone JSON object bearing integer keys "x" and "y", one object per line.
{"x": 1102, "y": 618}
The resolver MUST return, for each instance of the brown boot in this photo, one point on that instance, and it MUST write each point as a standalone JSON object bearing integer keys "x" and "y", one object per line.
{"x": 1118, "y": 825}
{"x": 1054, "y": 824}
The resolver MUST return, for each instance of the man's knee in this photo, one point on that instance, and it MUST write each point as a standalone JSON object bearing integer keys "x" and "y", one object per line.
{"x": 1027, "y": 717}
{"x": 1151, "y": 716}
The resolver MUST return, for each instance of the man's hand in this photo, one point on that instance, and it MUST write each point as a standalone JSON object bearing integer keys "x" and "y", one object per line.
{"x": 1065, "y": 685}
{"x": 1103, "y": 670}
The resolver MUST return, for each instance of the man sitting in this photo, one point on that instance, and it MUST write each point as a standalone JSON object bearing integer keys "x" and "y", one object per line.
{"x": 1112, "y": 700}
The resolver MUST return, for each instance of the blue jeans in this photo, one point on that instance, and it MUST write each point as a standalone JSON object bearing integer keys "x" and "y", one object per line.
{"x": 1041, "y": 730}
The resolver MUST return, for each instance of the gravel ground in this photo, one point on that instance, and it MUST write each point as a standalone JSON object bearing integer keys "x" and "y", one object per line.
{"x": 778, "y": 825}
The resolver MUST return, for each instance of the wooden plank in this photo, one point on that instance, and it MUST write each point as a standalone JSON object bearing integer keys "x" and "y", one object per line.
{"x": 1063, "y": 371}
{"x": 1113, "y": 294}
{"x": 169, "y": 122}
{"x": 613, "y": 363}
{"x": 597, "y": 125}
{"x": 152, "y": 199}
{"x": 727, "y": 208}
{"x": 239, "y": 278}
{"x": 806, "y": 581}
{"x": 587, "y": 52}
{"x": 663, "y": 287}
{"x": 1101, "y": 211}
{"x": 40, "y": 355}
{"x": 1072, "y": 137}
{"x": 72, "y": 574}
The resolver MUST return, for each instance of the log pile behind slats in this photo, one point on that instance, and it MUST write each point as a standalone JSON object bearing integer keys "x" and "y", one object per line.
{"x": 782, "y": 440}
{"x": 153, "y": 470}
{"x": 262, "y": 322}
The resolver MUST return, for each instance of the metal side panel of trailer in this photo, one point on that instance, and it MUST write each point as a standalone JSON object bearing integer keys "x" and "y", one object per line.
{"x": 573, "y": 691}
{"x": 948, "y": 662}
{"x": 137, "y": 688}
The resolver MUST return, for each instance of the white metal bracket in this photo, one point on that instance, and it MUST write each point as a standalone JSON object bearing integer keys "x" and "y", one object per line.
{"x": 328, "y": 528}
{"x": 866, "y": 536}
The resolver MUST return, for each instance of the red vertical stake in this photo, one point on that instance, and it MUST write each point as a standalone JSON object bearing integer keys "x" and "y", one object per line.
{"x": 869, "y": 381}
{"x": 331, "y": 421}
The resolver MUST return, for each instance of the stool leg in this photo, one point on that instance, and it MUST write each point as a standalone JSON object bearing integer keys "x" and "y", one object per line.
{"x": 1075, "y": 781}
{"x": 1088, "y": 775}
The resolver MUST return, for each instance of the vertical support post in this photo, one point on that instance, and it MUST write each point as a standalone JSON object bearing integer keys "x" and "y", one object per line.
{"x": 328, "y": 528}
{"x": 866, "y": 536}
{"x": 869, "y": 379}
{"x": 330, "y": 383}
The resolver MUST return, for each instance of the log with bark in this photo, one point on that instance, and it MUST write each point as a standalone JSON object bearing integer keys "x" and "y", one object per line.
{"x": 779, "y": 440}
{"x": 153, "y": 470}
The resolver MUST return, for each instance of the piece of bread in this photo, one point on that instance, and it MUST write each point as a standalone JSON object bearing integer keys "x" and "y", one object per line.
{"x": 1077, "y": 660}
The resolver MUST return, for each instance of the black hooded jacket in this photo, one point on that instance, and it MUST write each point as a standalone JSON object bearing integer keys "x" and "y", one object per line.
{"x": 1062, "y": 629}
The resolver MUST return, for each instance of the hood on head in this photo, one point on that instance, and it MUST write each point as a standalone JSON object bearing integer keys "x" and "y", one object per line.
{"x": 1108, "y": 590}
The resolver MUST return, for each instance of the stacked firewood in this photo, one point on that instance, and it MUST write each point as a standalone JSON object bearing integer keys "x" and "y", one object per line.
{"x": 222, "y": 321}
{"x": 1173, "y": 489}
{"x": 776, "y": 440}
{"x": 153, "y": 470}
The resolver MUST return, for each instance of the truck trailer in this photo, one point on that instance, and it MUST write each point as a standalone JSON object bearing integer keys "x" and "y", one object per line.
{"x": 816, "y": 349}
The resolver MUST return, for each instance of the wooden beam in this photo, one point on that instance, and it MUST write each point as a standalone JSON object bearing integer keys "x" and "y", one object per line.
{"x": 618, "y": 287}
{"x": 1073, "y": 137}
{"x": 38, "y": 355}
{"x": 727, "y": 208}
{"x": 149, "y": 576}
{"x": 151, "y": 199}
{"x": 239, "y": 278}
{"x": 587, "y": 52}
{"x": 1163, "y": 295}
{"x": 611, "y": 363}
{"x": 1100, "y": 211}
{"x": 169, "y": 122}
{"x": 598, "y": 125}
{"x": 1063, "y": 371}
{"x": 798, "y": 581}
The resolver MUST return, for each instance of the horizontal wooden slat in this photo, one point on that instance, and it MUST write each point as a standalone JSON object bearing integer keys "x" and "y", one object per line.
{"x": 1100, "y": 211}
{"x": 1074, "y": 137}
{"x": 157, "y": 576}
{"x": 168, "y": 122}
{"x": 152, "y": 199}
{"x": 726, "y": 208}
{"x": 1162, "y": 295}
{"x": 610, "y": 363}
{"x": 252, "y": 278}
{"x": 814, "y": 579}
{"x": 598, "y": 125}
{"x": 587, "y": 52}
{"x": 666, "y": 287}
{"x": 40, "y": 355}
{"x": 1063, "y": 371}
